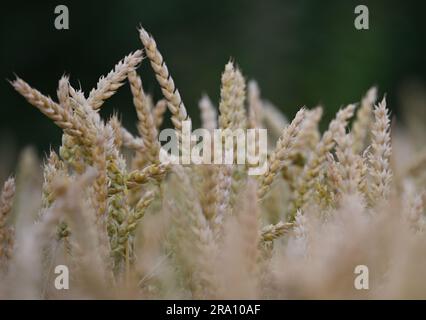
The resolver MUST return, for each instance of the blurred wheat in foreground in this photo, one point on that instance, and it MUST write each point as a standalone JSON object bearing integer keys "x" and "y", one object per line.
{"x": 128, "y": 226}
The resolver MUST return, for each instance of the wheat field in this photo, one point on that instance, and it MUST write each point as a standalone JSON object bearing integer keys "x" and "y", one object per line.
{"x": 128, "y": 226}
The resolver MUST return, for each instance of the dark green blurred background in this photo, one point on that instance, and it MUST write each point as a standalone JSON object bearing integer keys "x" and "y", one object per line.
{"x": 300, "y": 52}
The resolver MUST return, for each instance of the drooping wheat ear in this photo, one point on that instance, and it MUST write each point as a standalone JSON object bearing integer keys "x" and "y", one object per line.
{"x": 152, "y": 172}
{"x": 275, "y": 231}
{"x": 146, "y": 125}
{"x": 62, "y": 117}
{"x": 158, "y": 112}
{"x": 208, "y": 113}
{"x": 379, "y": 155}
{"x": 362, "y": 122}
{"x": 170, "y": 92}
{"x": 348, "y": 164}
{"x": 255, "y": 105}
{"x": 315, "y": 163}
{"x": 280, "y": 156}
{"x": 108, "y": 85}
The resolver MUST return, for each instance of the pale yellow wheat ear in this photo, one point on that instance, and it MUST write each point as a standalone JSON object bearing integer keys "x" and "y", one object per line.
{"x": 255, "y": 105}
{"x": 274, "y": 231}
{"x": 158, "y": 112}
{"x": 198, "y": 248}
{"x": 227, "y": 97}
{"x": 363, "y": 120}
{"x": 62, "y": 117}
{"x": 6, "y": 197}
{"x": 100, "y": 185}
{"x": 280, "y": 156}
{"x": 208, "y": 113}
{"x": 223, "y": 175}
{"x": 380, "y": 174}
{"x": 146, "y": 126}
{"x": 132, "y": 142}
{"x": 304, "y": 144}
{"x": 168, "y": 88}
{"x": 348, "y": 164}
{"x": 54, "y": 168}
{"x": 208, "y": 172}
{"x": 108, "y": 85}
{"x": 310, "y": 134}
{"x": 248, "y": 217}
{"x": 115, "y": 124}
{"x": 240, "y": 114}
{"x": 63, "y": 93}
{"x": 316, "y": 161}
{"x": 6, "y": 233}
{"x": 274, "y": 121}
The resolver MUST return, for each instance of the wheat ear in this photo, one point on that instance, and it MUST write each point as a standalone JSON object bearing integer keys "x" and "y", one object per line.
{"x": 362, "y": 122}
{"x": 275, "y": 231}
{"x": 108, "y": 85}
{"x": 227, "y": 97}
{"x": 317, "y": 159}
{"x": 281, "y": 154}
{"x": 255, "y": 105}
{"x": 131, "y": 142}
{"x": 348, "y": 164}
{"x": 208, "y": 113}
{"x": 146, "y": 125}
{"x": 6, "y": 233}
{"x": 379, "y": 156}
{"x": 158, "y": 112}
{"x": 239, "y": 114}
{"x": 151, "y": 172}
{"x": 170, "y": 92}
{"x": 62, "y": 117}
{"x": 6, "y": 199}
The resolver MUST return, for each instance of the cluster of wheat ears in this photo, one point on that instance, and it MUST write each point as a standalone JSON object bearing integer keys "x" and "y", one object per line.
{"x": 128, "y": 226}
